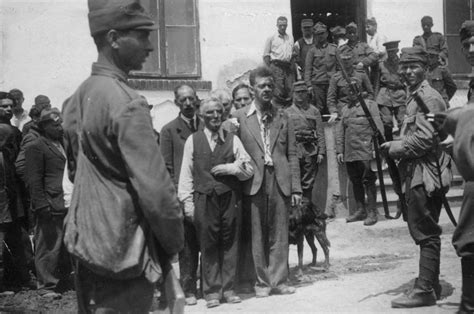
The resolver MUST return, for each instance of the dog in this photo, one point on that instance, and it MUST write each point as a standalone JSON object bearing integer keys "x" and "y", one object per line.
{"x": 306, "y": 222}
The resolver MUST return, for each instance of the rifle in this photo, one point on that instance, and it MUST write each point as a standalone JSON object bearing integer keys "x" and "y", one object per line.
{"x": 378, "y": 140}
{"x": 439, "y": 133}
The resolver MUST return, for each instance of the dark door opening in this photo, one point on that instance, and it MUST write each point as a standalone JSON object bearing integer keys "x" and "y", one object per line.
{"x": 329, "y": 12}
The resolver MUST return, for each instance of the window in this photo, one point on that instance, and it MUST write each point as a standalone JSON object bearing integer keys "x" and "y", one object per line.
{"x": 176, "y": 42}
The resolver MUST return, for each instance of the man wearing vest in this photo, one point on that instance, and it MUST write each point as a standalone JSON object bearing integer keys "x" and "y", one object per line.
{"x": 214, "y": 163}
{"x": 302, "y": 46}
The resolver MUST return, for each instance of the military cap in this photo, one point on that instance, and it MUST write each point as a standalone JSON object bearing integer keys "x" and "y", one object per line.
{"x": 105, "y": 15}
{"x": 41, "y": 100}
{"x": 320, "y": 28}
{"x": 338, "y": 31}
{"x": 351, "y": 25}
{"x": 427, "y": 19}
{"x": 371, "y": 21}
{"x": 413, "y": 54}
{"x": 47, "y": 115}
{"x": 467, "y": 30}
{"x": 300, "y": 86}
{"x": 307, "y": 23}
{"x": 391, "y": 45}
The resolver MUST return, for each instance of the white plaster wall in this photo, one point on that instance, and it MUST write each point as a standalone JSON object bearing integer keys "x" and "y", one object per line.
{"x": 401, "y": 19}
{"x": 45, "y": 47}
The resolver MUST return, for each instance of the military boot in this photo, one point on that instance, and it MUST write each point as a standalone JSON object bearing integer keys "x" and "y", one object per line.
{"x": 358, "y": 215}
{"x": 467, "y": 297}
{"x": 371, "y": 206}
{"x": 417, "y": 297}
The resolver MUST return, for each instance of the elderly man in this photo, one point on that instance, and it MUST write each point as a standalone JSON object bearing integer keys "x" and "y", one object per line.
{"x": 173, "y": 137}
{"x": 124, "y": 217}
{"x": 20, "y": 115}
{"x": 278, "y": 55}
{"x": 268, "y": 136}
{"x": 432, "y": 40}
{"x": 214, "y": 163}
{"x": 302, "y": 46}
{"x": 45, "y": 162}
{"x": 418, "y": 153}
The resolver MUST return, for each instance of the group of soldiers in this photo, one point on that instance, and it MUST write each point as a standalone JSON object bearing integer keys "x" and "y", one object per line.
{"x": 219, "y": 179}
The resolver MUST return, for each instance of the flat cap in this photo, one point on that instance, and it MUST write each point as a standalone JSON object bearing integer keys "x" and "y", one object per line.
{"x": 307, "y": 23}
{"x": 467, "y": 30}
{"x": 371, "y": 21}
{"x": 338, "y": 31}
{"x": 427, "y": 19}
{"x": 413, "y": 54}
{"x": 42, "y": 100}
{"x": 391, "y": 45}
{"x": 300, "y": 86}
{"x": 351, "y": 25}
{"x": 47, "y": 115}
{"x": 320, "y": 28}
{"x": 105, "y": 15}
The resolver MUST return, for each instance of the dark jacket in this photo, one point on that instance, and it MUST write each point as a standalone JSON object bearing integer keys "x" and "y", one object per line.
{"x": 339, "y": 91}
{"x": 44, "y": 172}
{"x": 320, "y": 64}
{"x": 435, "y": 41}
{"x": 29, "y": 138}
{"x": 440, "y": 79}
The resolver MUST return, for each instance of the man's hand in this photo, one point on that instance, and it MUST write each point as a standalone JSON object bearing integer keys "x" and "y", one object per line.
{"x": 332, "y": 117}
{"x": 319, "y": 159}
{"x": 295, "y": 199}
{"x": 385, "y": 147}
{"x": 222, "y": 170}
{"x": 340, "y": 158}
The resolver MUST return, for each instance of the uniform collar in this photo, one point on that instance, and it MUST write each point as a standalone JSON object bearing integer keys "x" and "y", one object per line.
{"x": 104, "y": 68}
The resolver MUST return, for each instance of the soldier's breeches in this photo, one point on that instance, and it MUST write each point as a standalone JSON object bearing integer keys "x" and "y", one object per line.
{"x": 463, "y": 236}
{"x": 308, "y": 170}
{"x": 362, "y": 178}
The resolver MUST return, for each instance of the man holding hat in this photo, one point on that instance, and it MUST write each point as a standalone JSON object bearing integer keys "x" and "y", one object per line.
{"x": 124, "y": 217}
{"x": 439, "y": 77}
{"x": 421, "y": 165}
{"x": 364, "y": 56}
{"x": 303, "y": 45}
{"x": 432, "y": 40}
{"x": 309, "y": 133}
{"x": 45, "y": 160}
{"x": 320, "y": 66}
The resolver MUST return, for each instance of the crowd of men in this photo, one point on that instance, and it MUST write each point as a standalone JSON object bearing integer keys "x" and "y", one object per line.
{"x": 105, "y": 196}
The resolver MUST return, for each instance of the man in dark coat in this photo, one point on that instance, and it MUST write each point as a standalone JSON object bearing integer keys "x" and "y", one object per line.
{"x": 124, "y": 218}
{"x": 45, "y": 162}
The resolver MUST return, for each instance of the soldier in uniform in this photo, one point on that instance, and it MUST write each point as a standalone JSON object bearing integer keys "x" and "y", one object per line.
{"x": 432, "y": 40}
{"x": 354, "y": 147}
{"x": 421, "y": 166}
{"x": 364, "y": 56}
{"x": 392, "y": 95}
{"x": 302, "y": 46}
{"x": 338, "y": 34}
{"x": 439, "y": 77}
{"x": 309, "y": 133}
{"x": 320, "y": 66}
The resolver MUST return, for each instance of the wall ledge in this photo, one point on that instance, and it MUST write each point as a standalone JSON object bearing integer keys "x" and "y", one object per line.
{"x": 168, "y": 84}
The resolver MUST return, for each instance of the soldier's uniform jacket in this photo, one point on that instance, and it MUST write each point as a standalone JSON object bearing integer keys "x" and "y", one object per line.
{"x": 435, "y": 41}
{"x": 307, "y": 122}
{"x": 440, "y": 79}
{"x": 392, "y": 91}
{"x": 339, "y": 92}
{"x": 320, "y": 64}
{"x": 354, "y": 136}
{"x": 417, "y": 145}
{"x": 364, "y": 53}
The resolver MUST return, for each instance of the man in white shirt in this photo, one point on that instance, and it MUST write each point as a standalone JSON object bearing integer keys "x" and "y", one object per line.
{"x": 214, "y": 163}
{"x": 20, "y": 115}
{"x": 375, "y": 40}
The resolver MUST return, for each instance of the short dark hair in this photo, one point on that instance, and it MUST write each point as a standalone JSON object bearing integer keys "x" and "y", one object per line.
{"x": 35, "y": 112}
{"x": 261, "y": 71}
{"x": 239, "y": 87}
{"x": 282, "y": 18}
{"x": 177, "y": 88}
{"x": 5, "y": 95}
{"x": 14, "y": 91}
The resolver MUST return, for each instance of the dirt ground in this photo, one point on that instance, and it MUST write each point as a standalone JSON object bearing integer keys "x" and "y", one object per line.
{"x": 369, "y": 267}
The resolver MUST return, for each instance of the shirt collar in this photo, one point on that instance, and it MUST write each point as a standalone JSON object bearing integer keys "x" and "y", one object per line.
{"x": 187, "y": 120}
{"x": 252, "y": 109}
{"x": 208, "y": 133}
{"x": 108, "y": 69}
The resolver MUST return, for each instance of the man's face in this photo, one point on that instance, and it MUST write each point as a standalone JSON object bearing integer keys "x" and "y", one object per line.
{"x": 426, "y": 26}
{"x": 282, "y": 25}
{"x": 468, "y": 50}
{"x": 307, "y": 31}
{"x": 6, "y": 106}
{"x": 212, "y": 115}
{"x": 348, "y": 64}
{"x": 132, "y": 49}
{"x": 242, "y": 98}
{"x": 186, "y": 101}
{"x": 19, "y": 100}
{"x": 370, "y": 29}
{"x": 53, "y": 130}
{"x": 413, "y": 73}
{"x": 321, "y": 37}
{"x": 300, "y": 98}
{"x": 263, "y": 89}
{"x": 227, "y": 103}
{"x": 352, "y": 35}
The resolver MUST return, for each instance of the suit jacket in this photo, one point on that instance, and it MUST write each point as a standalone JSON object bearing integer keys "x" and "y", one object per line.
{"x": 172, "y": 138}
{"x": 282, "y": 148}
{"x": 44, "y": 172}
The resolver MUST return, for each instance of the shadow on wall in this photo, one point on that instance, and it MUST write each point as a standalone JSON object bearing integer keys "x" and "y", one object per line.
{"x": 235, "y": 73}
{"x": 163, "y": 113}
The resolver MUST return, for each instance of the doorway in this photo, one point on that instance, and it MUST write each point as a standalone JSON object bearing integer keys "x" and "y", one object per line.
{"x": 329, "y": 12}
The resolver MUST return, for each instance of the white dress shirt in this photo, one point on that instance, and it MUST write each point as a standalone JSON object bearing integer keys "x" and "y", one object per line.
{"x": 279, "y": 47}
{"x": 264, "y": 133}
